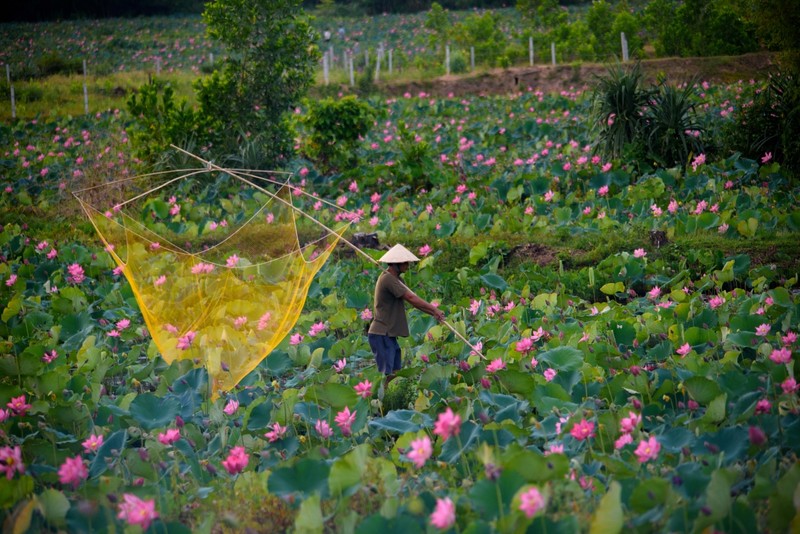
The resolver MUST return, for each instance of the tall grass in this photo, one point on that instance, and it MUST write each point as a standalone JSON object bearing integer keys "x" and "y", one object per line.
{"x": 62, "y": 96}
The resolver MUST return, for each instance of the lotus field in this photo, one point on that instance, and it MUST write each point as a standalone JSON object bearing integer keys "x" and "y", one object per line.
{"x": 623, "y": 381}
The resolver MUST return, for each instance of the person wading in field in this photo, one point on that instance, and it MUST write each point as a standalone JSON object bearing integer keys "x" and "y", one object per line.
{"x": 389, "y": 317}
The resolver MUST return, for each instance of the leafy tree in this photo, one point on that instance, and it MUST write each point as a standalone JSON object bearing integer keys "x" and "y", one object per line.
{"x": 626, "y": 23}
{"x": 270, "y": 66}
{"x": 777, "y": 23}
{"x": 600, "y": 18}
{"x": 543, "y": 13}
{"x": 484, "y": 33}
{"x": 438, "y": 23}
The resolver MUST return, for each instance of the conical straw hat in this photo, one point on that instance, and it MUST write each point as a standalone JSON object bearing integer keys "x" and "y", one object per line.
{"x": 398, "y": 254}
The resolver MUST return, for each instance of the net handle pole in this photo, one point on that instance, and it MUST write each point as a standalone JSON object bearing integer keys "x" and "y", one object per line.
{"x": 211, "y": 165}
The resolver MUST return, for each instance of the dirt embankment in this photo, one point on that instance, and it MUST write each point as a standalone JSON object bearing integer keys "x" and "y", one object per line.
{"x": 550, "y": 78}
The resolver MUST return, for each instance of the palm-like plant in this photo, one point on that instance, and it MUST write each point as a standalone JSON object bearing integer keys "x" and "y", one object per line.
{"x": 671, "y": 126}
{"x": 618, "y": 104}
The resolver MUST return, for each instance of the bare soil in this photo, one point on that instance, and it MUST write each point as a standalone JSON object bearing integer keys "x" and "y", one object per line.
{"x": 550, "y": 78}
{"x": 539, "y": 254}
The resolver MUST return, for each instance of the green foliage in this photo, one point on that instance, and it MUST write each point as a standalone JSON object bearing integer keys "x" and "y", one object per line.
{"x": 336, "y": 126}
{"x": 54, "y": 63}
{"x": 600, "y": 18}
{"x": 270, "y": 66}
{"x": 459, "y": 62}
{"x": 400, "y": 394}
{"x": 618, "y": 103}
{"x": 771, "y": 123}
{"x": 700, "y": 28}
{"x": 483, "y": 33}
{"x": 672, "y": 130}
{"x": 437, "y": 21}
{"x": 162, "y": 120}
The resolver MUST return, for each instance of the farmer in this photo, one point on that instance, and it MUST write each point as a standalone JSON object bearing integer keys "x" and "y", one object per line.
{"x": 389, "y": 318}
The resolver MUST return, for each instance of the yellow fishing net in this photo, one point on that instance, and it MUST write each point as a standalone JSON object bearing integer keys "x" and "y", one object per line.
{"x": 220, "y": 261}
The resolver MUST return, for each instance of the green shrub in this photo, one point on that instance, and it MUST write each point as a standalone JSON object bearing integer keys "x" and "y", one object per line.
{"x": 673, "y": 131}
{"x": 400, "y": 393}
{"x": 770, "y": 123}
{"x": 161, "y": 120}
{"x": 53, "y": 63}
{"x": 458, "y": 63}
{"x": 618, "y": 102}
{"x": 336, "y": 126}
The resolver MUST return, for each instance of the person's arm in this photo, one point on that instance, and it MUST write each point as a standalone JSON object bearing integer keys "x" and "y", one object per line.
{"x": 423, "y": 305}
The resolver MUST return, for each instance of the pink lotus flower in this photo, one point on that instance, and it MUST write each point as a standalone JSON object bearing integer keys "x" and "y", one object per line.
{"x": 495, "y": 365}
{"x": 170, "y": 436}
{"x": 780, "y": 356}
{"x": 160, "y": 281}
{"x": 236, "y": 461}
{"x": 789, "y": 385}
{"x": 76, "y": 274}
{"x": 345, "y": 419}
{"x": 184, "y": 342}
{"x": 18, "y": 406}
{"x": 716, "y": 301}
{"x": 624, "y": 439}
{"x": 323, "y": 429}
{"x": 673, "y": 206}
{"x": 606, "y": 167}
{"x": 11, "y": 280}
{"x": 263, "y": 321}
{"x": 92, "y": 443}
{"x": 72, "y": 472}
{"x": 276, "y": 433}
{"x": 763, "y": 329}
{"x": 582, "y": 430}
{"x": 421, "y": 450}
{"x": 531, "y": 502}
{"x": 647, "y": 449}
{"x": 538, "y": 334}
{"x": 137, "y": 511}
{"x": 340, "y": 365}
{"x": 684, "y": 349}
{"x": 602, "y": 191}
{"x": 639, "y": 253}
{"x": 763, "y": 406}
{"x": 366, "y": 314}
{"x": 555, "y": 448}
{"x": 789, "y": 338}
{"x": 239, "y": 322}
{"x": 11, "y": 461}
{"x": 122, "y": 324}
{"x": 447, "y": 424}
{"x": 548, "y": 197}
{"x": 316, "y": 328}
{"x": 657, "y": 212}
{"x": 766, "y": 157}
{"x": 524, "y": 345}
{"x": 364, "y": 389}
{"x": 48, "y": 357}
{"x": 654, "y": 293}
{"x": 550, "y": 374}
{"x": 296, "y": 339}
{"x": 629, "y": 424}
{"x": 697, "y": 161}
{"x": 444, "y": 515}
{"x": 231, "y": 407}
{"x": 425, "y": 250}
{"x": 232, "y": 260}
